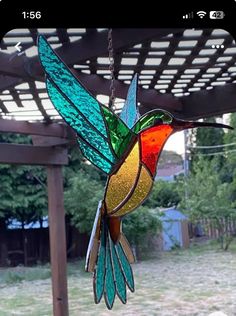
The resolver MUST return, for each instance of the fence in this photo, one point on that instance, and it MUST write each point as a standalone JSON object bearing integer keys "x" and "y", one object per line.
{"x": 225, "y": 226}
{"x": 30, "y": 246}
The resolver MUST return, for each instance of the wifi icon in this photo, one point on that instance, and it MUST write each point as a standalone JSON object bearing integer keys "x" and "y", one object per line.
{"x": 201, "y": 14}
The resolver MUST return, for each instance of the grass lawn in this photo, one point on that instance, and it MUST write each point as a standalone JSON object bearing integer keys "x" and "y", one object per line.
{"x": 193, "y": 282}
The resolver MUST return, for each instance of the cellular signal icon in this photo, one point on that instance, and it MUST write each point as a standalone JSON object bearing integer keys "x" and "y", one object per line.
{"x": 188, "y": 16}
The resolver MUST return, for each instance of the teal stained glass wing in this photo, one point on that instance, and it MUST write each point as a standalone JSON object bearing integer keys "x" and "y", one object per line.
{"x": 95, "y": 157}
{"x": 78, "y": 122}
{"x": 130, "y": 113}
{"x": 92, "y": 121}
{"x": 73, "y": 90}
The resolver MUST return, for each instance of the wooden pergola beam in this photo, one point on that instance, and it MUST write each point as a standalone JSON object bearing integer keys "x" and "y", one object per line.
{"x": 49, "y": 141}
{"x": 90, "y": 46}
{"x": 37, "y": 128}
{"x": 57, "y": 233}
{"x": 206, "y": 103}
{"x": 32, "y": 155}
{"x": 95, "y": 45}
{"x": 98, "y": 85}
{"x": 12, "y": 65}
{"x": 7, "y": 82}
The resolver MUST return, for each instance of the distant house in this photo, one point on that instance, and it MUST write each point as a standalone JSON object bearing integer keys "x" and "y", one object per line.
{"x": 174, "y": 229}
{"x": 169, "y": 171}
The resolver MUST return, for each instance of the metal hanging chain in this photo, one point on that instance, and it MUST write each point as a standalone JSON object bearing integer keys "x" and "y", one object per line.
{"x": 111, "y": 68}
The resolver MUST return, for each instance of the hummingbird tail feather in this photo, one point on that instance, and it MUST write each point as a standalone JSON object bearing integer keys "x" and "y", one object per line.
{"x": 94, "y": 241}
{"x": 113, "y": 271}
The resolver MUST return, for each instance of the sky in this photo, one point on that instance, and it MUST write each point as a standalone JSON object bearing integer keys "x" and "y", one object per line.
{"x": 176, "y": 143}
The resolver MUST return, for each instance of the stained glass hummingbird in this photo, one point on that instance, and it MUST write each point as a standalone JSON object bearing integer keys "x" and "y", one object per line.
{"x": 126, "y": 148}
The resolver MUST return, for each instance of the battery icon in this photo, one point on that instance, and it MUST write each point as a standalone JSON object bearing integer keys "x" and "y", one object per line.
{"x": 217, "y": 14}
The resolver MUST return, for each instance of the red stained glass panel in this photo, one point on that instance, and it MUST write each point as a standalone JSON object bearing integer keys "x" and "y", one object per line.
{"x": 152, "y": 141}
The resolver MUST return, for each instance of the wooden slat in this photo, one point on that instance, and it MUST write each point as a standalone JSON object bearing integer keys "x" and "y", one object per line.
{"x": 43, "y": 129}
{"x": 57, "y": 241}
{"x": 90, "y": 46}
{"x": 208, "y": 103}
{"x": 7, "y": 82}
{"x": 150, "y": 97}
{"x": 95, "y": 45}
{"x": 49, "y": 141}
{"x": 204, "y": 103}
{"x": 32, "y": 155}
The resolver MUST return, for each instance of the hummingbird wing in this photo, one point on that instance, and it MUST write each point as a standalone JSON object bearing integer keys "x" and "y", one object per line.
{"x": 102, "y": 135}
{"x": 130, "y": 113}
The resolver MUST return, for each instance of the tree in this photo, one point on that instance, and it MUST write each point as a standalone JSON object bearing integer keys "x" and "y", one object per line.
{"x": 206, "y": 136}
{"x": 140, "y": 227}
{"x": 229, "y": 168}
{"x": 208, "y": 198}
{"x": 163, "y": 194}
{"x": 139, "y": 223}
{"x": 23, "y": 197}
{"x": 81, "y": 200}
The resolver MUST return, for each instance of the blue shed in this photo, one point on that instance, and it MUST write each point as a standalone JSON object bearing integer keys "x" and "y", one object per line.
{"x": 174, "y": 229}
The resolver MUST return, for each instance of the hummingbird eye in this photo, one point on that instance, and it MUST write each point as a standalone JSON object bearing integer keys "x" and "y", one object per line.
{"x": 162, "y": 119}
{"x": 158, "y": 121}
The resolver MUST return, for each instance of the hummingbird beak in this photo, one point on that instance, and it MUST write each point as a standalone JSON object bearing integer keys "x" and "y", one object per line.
{"x": 180, "y": 125}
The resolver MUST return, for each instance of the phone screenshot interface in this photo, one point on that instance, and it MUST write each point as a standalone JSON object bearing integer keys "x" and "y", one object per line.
{"x": 117, "y": 158}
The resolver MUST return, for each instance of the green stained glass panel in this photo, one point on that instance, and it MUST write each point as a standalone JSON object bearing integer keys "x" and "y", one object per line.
{"x": 120, "y": 134}
{"x": 149, "y": 119}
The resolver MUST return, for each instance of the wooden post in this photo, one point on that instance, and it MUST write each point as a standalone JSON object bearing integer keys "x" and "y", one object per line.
{"x": 57, "y": 240}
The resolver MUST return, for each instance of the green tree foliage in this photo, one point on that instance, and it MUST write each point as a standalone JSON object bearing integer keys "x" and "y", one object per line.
{"x": 164, "y": 194}
{"x": 229, "y": 168}
{"x": 81, "y": 200}
{"x": 140, "y": 223}
{"x": 78, "y": 163}
{"x": 23, "y": 194}
{"x": 207, "y": 136}
{"x": 208, "y": 198}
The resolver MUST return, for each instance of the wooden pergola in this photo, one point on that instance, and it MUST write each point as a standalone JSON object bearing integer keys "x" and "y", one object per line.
{"x": 179, "y": 70}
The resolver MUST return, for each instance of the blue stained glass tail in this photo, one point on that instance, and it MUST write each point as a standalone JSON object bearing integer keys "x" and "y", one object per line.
{"x": 130, "y": 113}
{"x": 113, "y": 270}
